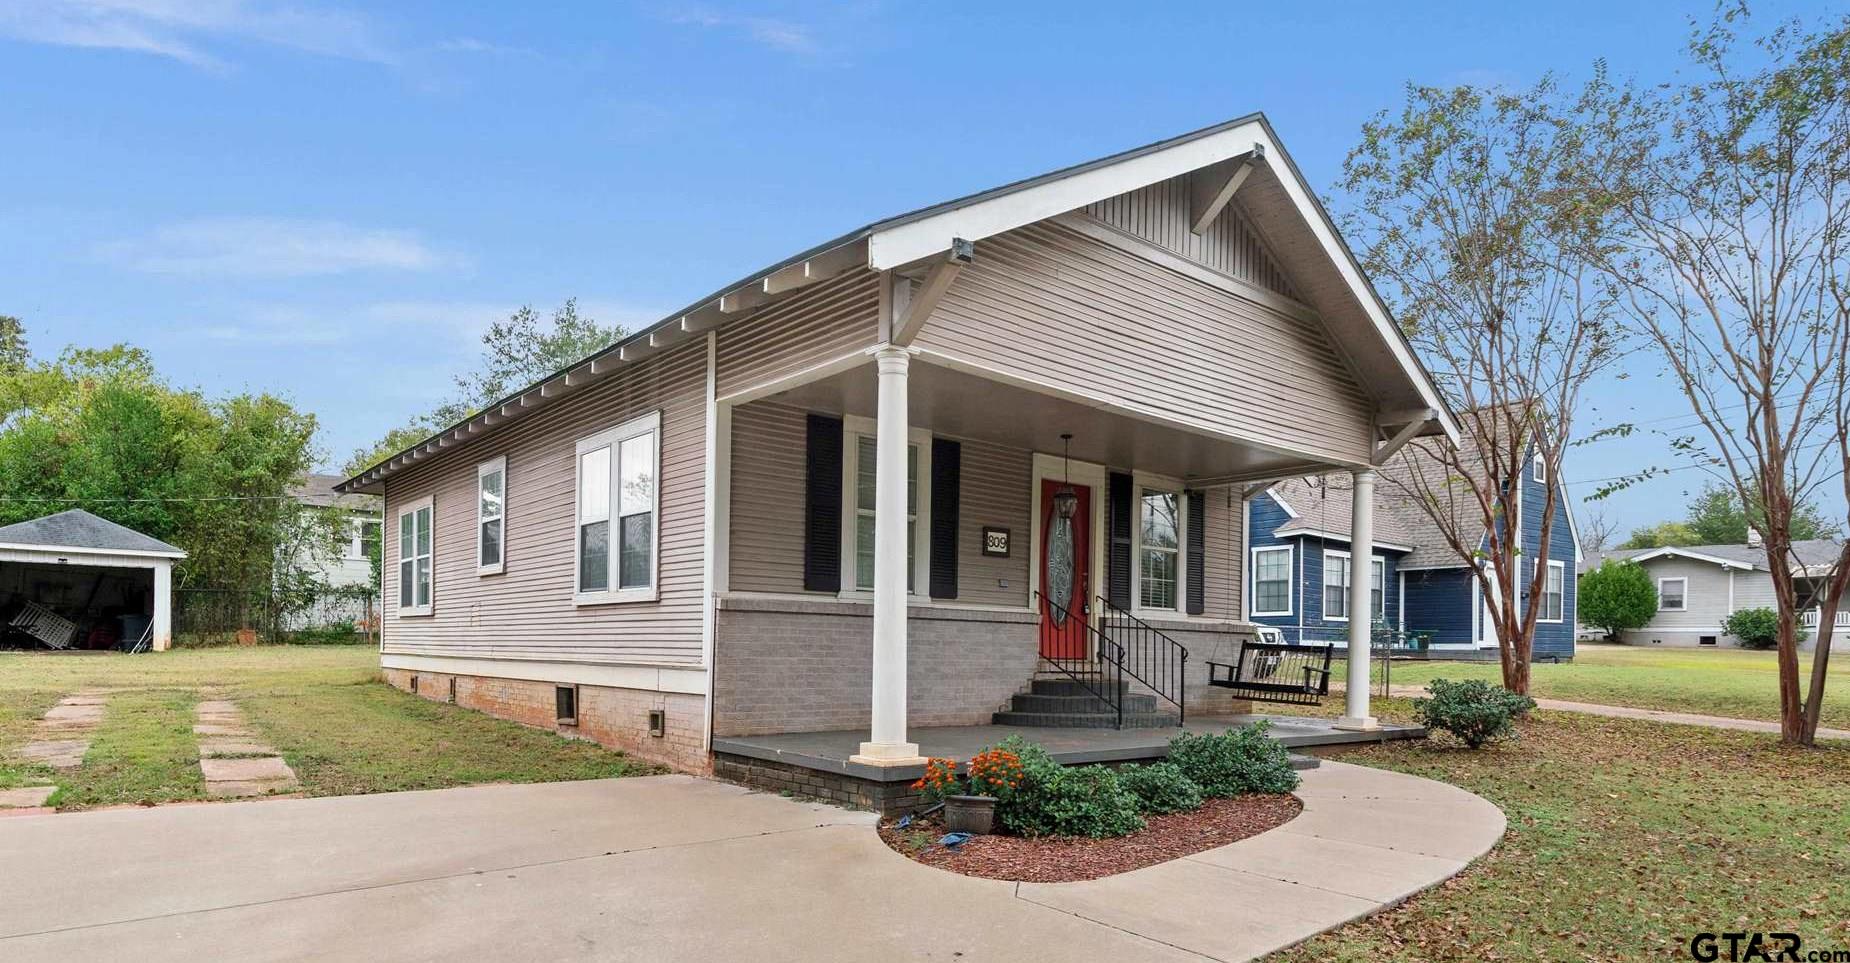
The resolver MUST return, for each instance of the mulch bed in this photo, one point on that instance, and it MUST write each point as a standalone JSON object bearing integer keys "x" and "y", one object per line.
{"x": 1064, "y": 859}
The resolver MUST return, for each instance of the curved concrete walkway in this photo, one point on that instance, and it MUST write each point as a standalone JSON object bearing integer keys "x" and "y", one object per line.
{"x": 678, "y": 868}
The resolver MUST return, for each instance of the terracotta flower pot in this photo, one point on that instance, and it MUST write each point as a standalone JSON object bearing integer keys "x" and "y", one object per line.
{"x": 970, "y": 814}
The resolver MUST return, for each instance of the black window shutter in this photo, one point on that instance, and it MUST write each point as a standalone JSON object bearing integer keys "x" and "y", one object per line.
{"x": 1120, "y": 514}
{"x": 946, "y": 474}
{"x": 1197, "y": 552}
{"x": 822, "y": 506}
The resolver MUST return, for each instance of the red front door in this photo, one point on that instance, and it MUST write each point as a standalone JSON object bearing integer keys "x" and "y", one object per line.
{"x": 1066, "y": 573}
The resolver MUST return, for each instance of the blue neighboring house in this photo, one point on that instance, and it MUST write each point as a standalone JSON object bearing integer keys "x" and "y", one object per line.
{"x": 1299, "y": 567}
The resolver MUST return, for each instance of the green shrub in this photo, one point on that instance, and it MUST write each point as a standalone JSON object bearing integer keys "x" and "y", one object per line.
{"x": 1055, "y": 800}
{"x": 1160, "y": 787}
{"x": 1616, "y": 597}
{"x": 1474, "y": 711}
{"x": 1234, "y": 763}
{"x": 1756, "y": 628}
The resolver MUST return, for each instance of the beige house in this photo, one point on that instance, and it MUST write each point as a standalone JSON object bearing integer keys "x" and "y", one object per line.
{"x": 877, "y": 488}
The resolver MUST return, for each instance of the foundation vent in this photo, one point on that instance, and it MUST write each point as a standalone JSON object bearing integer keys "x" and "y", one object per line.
{"x": 565, "y": 697}
{"x": 658, "y": 722}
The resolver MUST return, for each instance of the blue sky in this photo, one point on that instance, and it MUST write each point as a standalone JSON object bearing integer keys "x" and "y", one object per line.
{"x": 331, "y": 202}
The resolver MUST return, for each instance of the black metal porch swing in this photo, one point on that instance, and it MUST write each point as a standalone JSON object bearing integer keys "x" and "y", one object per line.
{"x": 1291, "y": 673}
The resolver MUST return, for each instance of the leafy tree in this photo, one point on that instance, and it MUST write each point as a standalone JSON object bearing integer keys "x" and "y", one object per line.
{"x": 1716, "y": 517}
{"x": 1727, "y": 198}
{"x": 14, "y": 355}
{"x": 1662, "y": 535}
{"x": 516, "y": 351}
{"x": 98, "y": 429}
{"x": 1460, "y": 206}
{"x": 1616, "y": 597}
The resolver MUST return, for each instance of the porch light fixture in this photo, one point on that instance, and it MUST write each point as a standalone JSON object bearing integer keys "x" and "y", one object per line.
{"x": 1066, "y": 500}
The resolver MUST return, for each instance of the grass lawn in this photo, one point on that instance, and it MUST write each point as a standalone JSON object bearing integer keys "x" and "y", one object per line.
{"x": 323, "y": 707}
{"x": 1625, "y": 838}
{"x": 1718, "y": 682}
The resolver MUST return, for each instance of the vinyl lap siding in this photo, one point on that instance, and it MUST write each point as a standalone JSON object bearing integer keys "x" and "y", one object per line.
{"x": 1222, "y": 568}
{"x": 767, "y": 498}
{"x": 527, "y": 612}
{"x": 997, "y": 488}
{"x": 1053, "y": 306}
{"x": 1439, "y": 605}
{"x": 1159, "y": 214}
{"x": 1551, "y": 638}
{"x": 801, "y": 331}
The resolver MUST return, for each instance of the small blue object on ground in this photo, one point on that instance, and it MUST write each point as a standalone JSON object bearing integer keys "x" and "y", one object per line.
{"x": 953, "y": 840}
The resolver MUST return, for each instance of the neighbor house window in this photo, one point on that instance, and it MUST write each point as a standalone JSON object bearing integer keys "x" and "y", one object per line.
{"x": 1159, "y": 549}
{"x": 861, "y": 453}
{"x": 618, "y": 501}
{"x": 414, "y": 557}
{"x": 1670, "y": 593}
{"x": 363, "y": 539}
{"x": 1272, "y": 580}
{"x": 1554, "y": 592}
{"x": 1335, "y": 586}
{"x": 1336, "y": 581}
{"x": 490, "y": 515}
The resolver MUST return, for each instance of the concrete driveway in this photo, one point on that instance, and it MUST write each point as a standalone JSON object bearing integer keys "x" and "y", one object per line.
{"x": 658, "y": 868}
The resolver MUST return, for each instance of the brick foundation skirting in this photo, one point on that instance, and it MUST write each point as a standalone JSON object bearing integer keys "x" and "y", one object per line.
{"x": 609, "y": 716}
{"x": 886, "y": 798}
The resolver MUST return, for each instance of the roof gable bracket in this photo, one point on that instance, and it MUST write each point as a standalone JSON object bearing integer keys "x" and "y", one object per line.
{"x": 911, "y": 309}
{"x": 1212, "y": 187}
{"x": 1412, "y": 423}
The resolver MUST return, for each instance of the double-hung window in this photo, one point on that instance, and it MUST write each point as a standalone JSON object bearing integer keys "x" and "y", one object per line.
{"x": 1338, "y": 576}
{"x": 1670, "y": 594}
{"x": 490, "y": 516}
{"x": 1554, "y": 592}
{"x": 862, "y": 467}
{"x": 1159, "y": 560}
{"x": 415, "y": 556}
{"x": 618, "y": 502}
{"x": 1272, "y": 580}
{"x": 363, "y": 539}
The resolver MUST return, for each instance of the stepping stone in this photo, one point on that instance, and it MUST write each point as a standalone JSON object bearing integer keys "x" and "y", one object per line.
{"x": 215, "y": 706}
{"x": 239, "y": 790}
{"x": 89, "y": 713}
{"x": 234, "y": 747}
{"x": 84, "y": 699}
{"x": 216, "y": 729}
{"x": 29, "y": 797}
{"x": 56, "y": 753}
{"x": 268, "y": 769}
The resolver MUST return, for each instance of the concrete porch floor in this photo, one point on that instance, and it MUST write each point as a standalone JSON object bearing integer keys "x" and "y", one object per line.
{"x": 829, "y": 751}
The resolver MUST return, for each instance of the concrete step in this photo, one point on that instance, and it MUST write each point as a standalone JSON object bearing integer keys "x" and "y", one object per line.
{"x": 1030, "y": 702}
{"x": 1087, "y": 720}
{"x": 1067, "y": 687}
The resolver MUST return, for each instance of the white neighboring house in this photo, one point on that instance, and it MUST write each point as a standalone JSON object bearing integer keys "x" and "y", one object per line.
{"x": 344, "y": 562}
{"x": 1699, "y": 586}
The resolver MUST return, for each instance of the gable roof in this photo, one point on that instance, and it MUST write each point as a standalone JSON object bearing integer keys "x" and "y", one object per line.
{"x": 1279, "y": 203}
{"x": 322, "y": 491}
{"x": 1323, "y": 506}
{"x": 80, "y": 531}
{"x": 1811, "y": 553}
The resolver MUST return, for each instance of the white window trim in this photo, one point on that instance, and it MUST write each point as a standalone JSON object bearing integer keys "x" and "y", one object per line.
{"x": 1253, "y": 580}
{"x": 1323, "y": 598}
{"x": 356, "y": 537}
{"x": 497, "y": 465}
{"x": 1684, "y": 595}
{"x": 613, "y": 438}
{"x": 1562, "y": 568}
{"x": 855, "y": 427}
{"x": 412, "y": 508}
{"x": 1539, "y": 471}
{"x": 1141, "y": 483}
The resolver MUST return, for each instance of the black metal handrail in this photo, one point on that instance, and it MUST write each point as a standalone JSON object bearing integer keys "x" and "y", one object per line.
{"x": 1103, "y": 675}
{"x": 1149, "y": 655}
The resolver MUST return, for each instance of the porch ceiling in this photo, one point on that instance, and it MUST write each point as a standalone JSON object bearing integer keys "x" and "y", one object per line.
{"x": 958, "y": 404}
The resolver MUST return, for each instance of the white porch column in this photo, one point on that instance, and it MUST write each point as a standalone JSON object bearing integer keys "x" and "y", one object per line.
{"x": 1361, "y": 604}
{"x": 887, "y": 745}
{"x": 163, "y": 605}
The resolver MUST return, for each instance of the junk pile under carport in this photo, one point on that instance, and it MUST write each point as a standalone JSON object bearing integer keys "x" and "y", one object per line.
{"x": 74, "y": 581}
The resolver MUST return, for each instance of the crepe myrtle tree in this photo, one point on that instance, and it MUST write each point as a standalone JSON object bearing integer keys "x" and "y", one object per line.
{"x": 1728, "y": 239}
{"x": 1468, "y": 222}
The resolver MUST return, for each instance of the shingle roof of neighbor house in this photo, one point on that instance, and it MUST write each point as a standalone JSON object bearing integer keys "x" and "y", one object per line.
{"x": 906, "y": 238}
{"x": 319, "y": 491}
{"x": 78, "y": 529}
{"x": 1811, "y": 553}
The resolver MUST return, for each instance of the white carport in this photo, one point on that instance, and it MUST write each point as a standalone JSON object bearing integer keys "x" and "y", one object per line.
{"x": 88, "y": 570}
